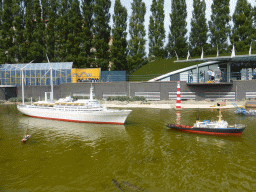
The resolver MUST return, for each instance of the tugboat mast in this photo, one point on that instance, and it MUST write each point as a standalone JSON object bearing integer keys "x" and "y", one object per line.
{"x": 219, "y": 115}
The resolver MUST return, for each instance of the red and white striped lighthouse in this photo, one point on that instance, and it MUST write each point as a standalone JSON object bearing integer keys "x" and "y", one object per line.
{"x": 178, "y": 103}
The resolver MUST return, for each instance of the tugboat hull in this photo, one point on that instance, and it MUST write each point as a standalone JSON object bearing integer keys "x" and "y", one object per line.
{"x": 230, "y": 131}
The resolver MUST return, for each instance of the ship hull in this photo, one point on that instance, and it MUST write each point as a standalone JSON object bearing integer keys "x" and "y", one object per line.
{"x": 230, "y": 131}
{"x": 105, "y": 116}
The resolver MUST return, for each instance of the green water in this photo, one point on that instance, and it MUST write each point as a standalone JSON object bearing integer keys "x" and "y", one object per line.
{"x": 64, "y": 156}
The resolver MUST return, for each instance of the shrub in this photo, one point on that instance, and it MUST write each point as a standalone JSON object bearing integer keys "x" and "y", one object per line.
{"x": 79, "y": 97}
{"x": 122, "y": 98}
{"x": 110, "y": 98}
{"x": 19, "y": 99}
{"x": 118, "y": 98}
{"x": 138, "y": 98}
{"x": 126, "y": 98}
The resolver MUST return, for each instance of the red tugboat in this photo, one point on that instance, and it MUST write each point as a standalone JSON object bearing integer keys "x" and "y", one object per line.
{"x": 219, "y": 127}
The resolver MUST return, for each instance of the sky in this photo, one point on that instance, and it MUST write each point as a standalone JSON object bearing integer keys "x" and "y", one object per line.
{"x": 167, "y": 10}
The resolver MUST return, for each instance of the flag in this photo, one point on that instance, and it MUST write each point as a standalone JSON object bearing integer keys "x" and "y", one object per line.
{"x": 176, "y": 55}
{"x": 188, "y": 55}
{"x": 233, "y": 52}
{"x": 217, "y": 51}
{"x": 250, "y": 51}
{"x": 202, "y": 55}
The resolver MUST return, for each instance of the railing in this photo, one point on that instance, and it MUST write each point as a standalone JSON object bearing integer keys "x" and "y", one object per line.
{"x": 250, "y": 95}
{"x": 183, "y": 95}
{"x": 66, "y": 108}
{"x": 83, "y": 94}
{"x": 224, "y": 77}
{"x": 220, "y": 95}
{"x": 149, "y": 95}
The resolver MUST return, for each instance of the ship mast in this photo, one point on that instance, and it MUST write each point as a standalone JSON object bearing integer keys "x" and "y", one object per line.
{"x": 219, "y": 115}
{"x": 22, "y": 83}
{"x": 51, "y": 94}
{"x": 91, "y": 93}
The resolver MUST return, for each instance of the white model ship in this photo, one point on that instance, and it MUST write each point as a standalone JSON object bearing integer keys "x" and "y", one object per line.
{"x": 82, "y": 111}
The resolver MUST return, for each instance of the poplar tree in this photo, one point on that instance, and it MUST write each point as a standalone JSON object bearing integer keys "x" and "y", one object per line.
{"x": 49, "y": 17}
{"x": 136, "y": 44}
{"x": 254, "y": 25}
{"x": 156, "y": 29}
{"x": 25, "y": 46}
{"x": 219, "y": 25}
{"x": 101, "y": 32}
{"x": 7, "y": 32}
{"x": 75, "y": 33}
{"x": 62, "y": 31}
{"x": 242, "y": 33}
{"x": 1, "y": 46}
{"x": 37, "y": 49}
{"x": 198, "y": 35}
{"x": 85, "y": 55}
{"x": 178, "y": 29}
{"x": 119, "y": 46}
{"x": 1, "y": 11}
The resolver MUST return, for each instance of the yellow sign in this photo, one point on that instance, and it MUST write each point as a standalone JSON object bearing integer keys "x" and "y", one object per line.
{"x": 83, "y": 75}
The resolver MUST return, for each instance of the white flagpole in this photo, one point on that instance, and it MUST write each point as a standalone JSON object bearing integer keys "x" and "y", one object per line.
{"x": 22, "y": 85}
{"x": 233, "y": 52}
{"x": 176, "y": 55}
{"x": 217, "y": 51}
{"x": 250, "y": 51}
{"x": 202, "y": 55}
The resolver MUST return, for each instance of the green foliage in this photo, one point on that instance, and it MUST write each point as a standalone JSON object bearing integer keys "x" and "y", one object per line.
{"x": 28, "y": 31}
{"x": 198, "y": 35}
{"x": 74, "y": 34}
{"x": 101, "y": 31}
{"x": 7, "y": 33}
{"x": 118, "y": 98}
{"x": 18, "y": 13}
{"x": 119, "y": 45}
{"x": 219, "y": 25}
{"x": 242, "y": 33}
{"x": 138, "y": 98}
{"x": 62, "y": 31}
{"x": 85, "y": 56}
{"x": 136, "y": 44}
{"x": 37, "y": 49}
{"x": 19, "y": 99}
{"x": 50, "y": 15}
{"x": 79, "y": 97}
{"x": 156, "y": 30}
{"x": 157, "y": 68}
{"x": 177, "y": 37}
{"x": 126, "y": 98}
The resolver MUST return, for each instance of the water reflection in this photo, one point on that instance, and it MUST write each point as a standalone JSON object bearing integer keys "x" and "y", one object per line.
{"x": 80, "y": 131}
